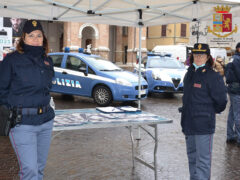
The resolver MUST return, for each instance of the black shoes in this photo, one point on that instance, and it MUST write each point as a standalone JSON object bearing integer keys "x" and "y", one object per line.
{"x": 232, "y": 141}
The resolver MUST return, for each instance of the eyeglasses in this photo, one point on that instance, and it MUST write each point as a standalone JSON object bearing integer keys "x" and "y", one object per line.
{"x": 199, "y": 55}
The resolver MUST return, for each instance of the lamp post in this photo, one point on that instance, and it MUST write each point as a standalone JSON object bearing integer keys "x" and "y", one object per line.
{"x": 196, "y": 32}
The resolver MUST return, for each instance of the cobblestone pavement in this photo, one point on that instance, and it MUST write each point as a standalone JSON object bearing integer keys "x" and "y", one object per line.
{"x": 8, "y": 161}
{"x": 105, "y": 154}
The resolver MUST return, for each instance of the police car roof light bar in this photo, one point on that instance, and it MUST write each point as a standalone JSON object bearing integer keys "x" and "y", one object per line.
{"x": 80, "y": 50}
{"x": 67, "y": 49}
{"x": 159, "y": 54}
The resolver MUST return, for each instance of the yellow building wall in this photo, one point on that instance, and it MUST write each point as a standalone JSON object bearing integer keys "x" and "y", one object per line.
{"x": 173, "y": 35}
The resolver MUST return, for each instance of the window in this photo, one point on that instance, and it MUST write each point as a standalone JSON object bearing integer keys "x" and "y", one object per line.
{"x": 75, "y": 64}
{"x": 147, "y": 32}
{"x": 164, "y": 30}
{"x": 183, "y": 30}
{"x": 57, "y": 60}
{"x": 90, "y": 71}
{"x": 125, "y": 31}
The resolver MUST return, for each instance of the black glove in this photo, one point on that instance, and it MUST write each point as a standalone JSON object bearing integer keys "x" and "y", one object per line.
{"x": 180, "y": 109}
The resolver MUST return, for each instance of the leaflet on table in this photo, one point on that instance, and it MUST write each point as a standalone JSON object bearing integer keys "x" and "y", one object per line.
{"x": 121, "y": 109}
{"x": 129, "y": 109}
{"x": 109, "y": 109}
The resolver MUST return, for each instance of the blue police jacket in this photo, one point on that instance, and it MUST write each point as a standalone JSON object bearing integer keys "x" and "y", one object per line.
{"x": 25, "y": 81}
{"x": 232, "y": 73}
{"x": 204, "y": 95}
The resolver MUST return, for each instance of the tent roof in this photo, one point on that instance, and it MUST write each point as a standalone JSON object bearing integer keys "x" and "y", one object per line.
{"x": 115, "y": 12}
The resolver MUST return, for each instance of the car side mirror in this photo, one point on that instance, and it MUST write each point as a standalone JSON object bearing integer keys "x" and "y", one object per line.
{"x": 84, "y": 70}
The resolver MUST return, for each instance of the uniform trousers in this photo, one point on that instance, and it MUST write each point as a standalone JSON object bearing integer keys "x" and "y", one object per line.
{"x": 31, "y": 145}
{"x": 233, "y": 122}
{"x": 199, "y": 152}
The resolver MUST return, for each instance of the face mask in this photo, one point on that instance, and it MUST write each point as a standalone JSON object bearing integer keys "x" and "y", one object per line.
{"x": 196, "y": 66}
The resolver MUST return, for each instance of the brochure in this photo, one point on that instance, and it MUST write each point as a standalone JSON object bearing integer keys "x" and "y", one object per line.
{"x": 121, "y": 109}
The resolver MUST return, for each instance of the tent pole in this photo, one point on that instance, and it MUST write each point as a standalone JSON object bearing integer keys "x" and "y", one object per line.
{"x": 140, "y": 24}
{"x": 139, "y": 67}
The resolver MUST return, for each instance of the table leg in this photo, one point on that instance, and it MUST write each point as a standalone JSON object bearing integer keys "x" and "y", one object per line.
{"x": 154, "y": 167}
{"x": 155, "y": 151}
{"x": 133, "y": 149}
{"x": 139, "y": 134}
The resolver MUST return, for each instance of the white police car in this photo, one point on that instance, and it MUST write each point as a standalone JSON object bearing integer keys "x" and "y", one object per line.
{"x": 91, "y": 76}
{"x": 163, "y": 73}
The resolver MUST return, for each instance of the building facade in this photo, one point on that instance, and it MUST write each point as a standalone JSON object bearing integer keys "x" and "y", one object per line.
{"x": 170, "y": 34}
{"x": 115, "y": 43}
{"x": 118, "y": 44}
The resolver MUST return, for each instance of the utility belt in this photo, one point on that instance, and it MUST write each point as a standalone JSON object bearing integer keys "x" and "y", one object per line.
{"x": 31, "y": 111}
{"x": 11, "y": 117}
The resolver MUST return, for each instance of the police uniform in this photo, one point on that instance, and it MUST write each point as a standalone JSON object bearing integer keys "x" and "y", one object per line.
{"x": 204, "y": 96}
{"x": 25, "y": 81}
{"x": 233, "y": 80}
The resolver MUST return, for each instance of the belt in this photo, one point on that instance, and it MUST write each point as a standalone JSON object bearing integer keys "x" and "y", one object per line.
{"x": 33, "y": 111}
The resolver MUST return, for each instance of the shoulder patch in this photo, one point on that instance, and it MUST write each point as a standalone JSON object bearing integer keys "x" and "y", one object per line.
{"x": 196, "y": 85}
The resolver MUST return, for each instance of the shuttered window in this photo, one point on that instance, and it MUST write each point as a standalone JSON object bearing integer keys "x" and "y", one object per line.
{"x": 183, "y": 30}
{"x": 125, "y": 31}
{"x": 164, "y": 30}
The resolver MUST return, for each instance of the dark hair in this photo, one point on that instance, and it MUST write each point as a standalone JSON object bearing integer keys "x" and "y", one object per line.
{"x": 238, "y": 45}
{"x": 209, "y": 61}
{"x": 237, "y": 48}
{"x": 21, "y": 44}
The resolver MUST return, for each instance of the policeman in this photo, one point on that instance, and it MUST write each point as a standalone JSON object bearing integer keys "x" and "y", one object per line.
{"x": 233, "y": 79}
{"x": 204, "y": 96}
{"x": 25, "y": 81}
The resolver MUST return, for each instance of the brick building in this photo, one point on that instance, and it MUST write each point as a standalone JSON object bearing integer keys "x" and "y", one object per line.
{"x": 116, "y": 43}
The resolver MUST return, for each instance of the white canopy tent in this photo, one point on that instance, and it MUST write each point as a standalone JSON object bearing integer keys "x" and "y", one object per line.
{"x": 114, "y": 12}
{"x": 136, "y": 13}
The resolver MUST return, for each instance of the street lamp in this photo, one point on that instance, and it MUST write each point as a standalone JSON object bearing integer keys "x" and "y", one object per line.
{"x": 195, "y": 30}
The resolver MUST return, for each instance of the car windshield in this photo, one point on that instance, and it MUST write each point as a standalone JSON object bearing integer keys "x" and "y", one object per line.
{"x": 164, "y": 62}
{"x": 102, "y": 64}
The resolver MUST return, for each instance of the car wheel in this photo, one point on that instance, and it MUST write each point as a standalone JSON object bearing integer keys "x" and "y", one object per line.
{"x": 102, "y": 95}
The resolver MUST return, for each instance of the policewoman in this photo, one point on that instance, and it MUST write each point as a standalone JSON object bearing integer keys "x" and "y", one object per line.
{"x": 204, "y": 96}
{"x": 25, "y": 81}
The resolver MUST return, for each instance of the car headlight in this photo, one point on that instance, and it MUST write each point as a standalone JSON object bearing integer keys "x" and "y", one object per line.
{"x": 156, "y": 76}
{"x": 123, "y": 82}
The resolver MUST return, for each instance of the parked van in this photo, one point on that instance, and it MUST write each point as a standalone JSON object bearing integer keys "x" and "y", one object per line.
{"x": 180, "y": 52}
{"x": 218, "y": 52}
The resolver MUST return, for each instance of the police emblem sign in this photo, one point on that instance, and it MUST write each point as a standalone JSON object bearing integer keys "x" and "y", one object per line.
{"x": 222, "y": 22}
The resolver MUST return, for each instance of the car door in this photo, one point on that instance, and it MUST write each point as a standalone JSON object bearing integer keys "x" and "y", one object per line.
{"x": 58, "y": 82}
{"x": 76, "y": 76}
